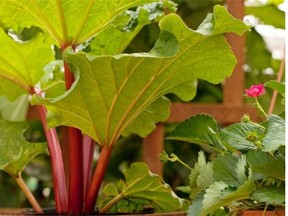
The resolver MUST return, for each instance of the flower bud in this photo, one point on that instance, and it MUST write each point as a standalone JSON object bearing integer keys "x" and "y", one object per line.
{"x": 255, "y": 90}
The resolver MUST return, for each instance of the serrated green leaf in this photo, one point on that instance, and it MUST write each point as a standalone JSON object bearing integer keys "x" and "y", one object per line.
{"x": 225, "y": 169}
{"x": 270, "y": 195}
{"x": 139, "y": 185}
{"x": 263, "y": 164}
{"x": 15, "y": 151}
{"x": 200, "y": 129}
{"x": 196, "y": 206}
{"x": 219, "y": 194}
{"x": 201, "y": 175}
{"x": 242, "y": 136}
{"x": 66, "y": 22}
{"x": 241, "y": 169}
{"x": 113, "y": 91}
{"x": 233, "y": 181}
{"x": 257, "y": 157}
{"x": 274, "y": 133}
{"x": 22, "y": 63}
{"x": 274, "y": 168}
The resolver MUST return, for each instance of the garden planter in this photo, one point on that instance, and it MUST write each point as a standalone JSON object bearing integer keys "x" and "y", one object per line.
{"x": 50, "y": 211}
{"x": 260, "y": 213}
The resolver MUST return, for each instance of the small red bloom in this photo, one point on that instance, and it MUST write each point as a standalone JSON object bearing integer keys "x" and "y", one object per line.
{"x": 255, "y": 90}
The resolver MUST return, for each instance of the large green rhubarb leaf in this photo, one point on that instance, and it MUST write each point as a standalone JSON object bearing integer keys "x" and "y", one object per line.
{"x": 140, "y": 189}
{"x": 112, "y": 93}
{"x": 22, "y": 63}
{"x": 67, "y": 22}
{"x": 14, "y": 110}
{"x": 15, "y": 150}
{"x": 118, "y": 35}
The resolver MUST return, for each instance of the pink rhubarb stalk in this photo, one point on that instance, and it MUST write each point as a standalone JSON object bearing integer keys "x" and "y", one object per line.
{"x": 88, "y": 153}
{"x": 57, "y": 166}
{"x": 75, "y": 158}
{"x": 97, "y": 179}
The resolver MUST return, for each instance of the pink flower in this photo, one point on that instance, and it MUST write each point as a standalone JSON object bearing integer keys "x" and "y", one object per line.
{"x": 255, "y": 90}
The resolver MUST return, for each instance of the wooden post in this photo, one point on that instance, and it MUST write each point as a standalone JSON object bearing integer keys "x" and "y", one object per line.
{"x": 152, "y": 147}
{"x": 233, "y": 88}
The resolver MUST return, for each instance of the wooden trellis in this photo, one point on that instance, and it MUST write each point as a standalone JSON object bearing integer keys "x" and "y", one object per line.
{"x": 229, "y": 111}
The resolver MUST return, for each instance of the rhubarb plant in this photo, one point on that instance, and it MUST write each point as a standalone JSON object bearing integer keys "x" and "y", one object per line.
{"x": 97, "y": 91}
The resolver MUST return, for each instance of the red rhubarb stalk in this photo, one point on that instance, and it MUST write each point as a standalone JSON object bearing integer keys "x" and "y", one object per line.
{"x": 97, "y": 179}
{"x": 88, "y": 153}
{"x": 75, "y": 171}
{"x": 75, "y": 197}
{"x": 57, "y": 166}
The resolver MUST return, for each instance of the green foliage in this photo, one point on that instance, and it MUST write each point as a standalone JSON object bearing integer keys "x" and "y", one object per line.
{"x": 139, "y": 80}
{"x": 139, "y": 190}
{"x": 113, "y": 94}
{"x": 15, "y": 110}
{"x": 22, "y": 63}
{"x": 16, "y": 152}
{"x": 53, "y": 81}
{"x": 117, "y": 36}
{"x": 249, "y": 169}
{"x": 278, "y": 86}
{"x": 255, "y": 46}
{"x": 274, "y": 133}
{"x": 201, "y": 176}
{"x": 270, "y": 195}
{"x": 243, "y": 136}
{"x": 277, "y": 20}
{"x": 231, "y": 180}
{"x": 195, "y": 131}
{"x": 201, "y": 129}
{"x": 72, "y": 22}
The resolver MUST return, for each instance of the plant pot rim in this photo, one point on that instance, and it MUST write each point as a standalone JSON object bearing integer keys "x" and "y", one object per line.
{"x": 277, "y": 212}
{"x": 51, "y": 211}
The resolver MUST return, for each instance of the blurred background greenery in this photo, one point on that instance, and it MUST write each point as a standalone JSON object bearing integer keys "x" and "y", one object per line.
{"x": 264, "y": 52}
